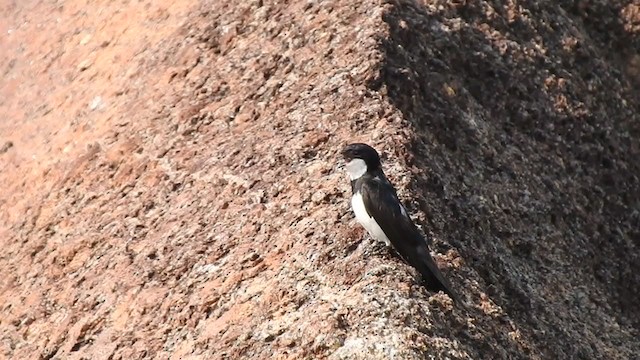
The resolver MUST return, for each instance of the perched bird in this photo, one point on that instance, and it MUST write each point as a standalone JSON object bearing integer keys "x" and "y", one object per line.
{"x": 377, "y": 208}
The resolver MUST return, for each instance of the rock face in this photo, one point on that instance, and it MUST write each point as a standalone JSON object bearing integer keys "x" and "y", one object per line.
{"x": 171, "y": 189}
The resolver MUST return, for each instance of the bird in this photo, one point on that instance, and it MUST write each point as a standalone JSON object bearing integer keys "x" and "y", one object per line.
{"x": 376, "y": 206}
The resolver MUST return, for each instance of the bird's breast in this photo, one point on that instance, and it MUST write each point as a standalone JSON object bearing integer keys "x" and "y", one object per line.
{"x": 367, "y": 221}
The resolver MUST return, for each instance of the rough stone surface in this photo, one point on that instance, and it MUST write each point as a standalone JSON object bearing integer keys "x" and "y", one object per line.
{"x": 170, "y": 186}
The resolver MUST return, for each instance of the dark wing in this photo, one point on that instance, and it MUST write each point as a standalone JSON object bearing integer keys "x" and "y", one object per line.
{"x": 382, "y": 204}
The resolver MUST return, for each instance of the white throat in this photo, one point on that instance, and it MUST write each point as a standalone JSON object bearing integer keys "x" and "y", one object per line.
{"x": 356, "y": 168}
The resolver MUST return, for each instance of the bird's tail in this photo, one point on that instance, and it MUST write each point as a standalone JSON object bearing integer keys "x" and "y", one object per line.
{"x": 432, "y": 277}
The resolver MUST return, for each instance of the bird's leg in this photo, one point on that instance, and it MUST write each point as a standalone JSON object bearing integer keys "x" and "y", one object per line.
{"x": 382, "y": 248}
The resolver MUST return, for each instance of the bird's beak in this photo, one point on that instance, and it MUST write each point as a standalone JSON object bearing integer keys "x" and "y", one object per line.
{"x": 344, "y": 152}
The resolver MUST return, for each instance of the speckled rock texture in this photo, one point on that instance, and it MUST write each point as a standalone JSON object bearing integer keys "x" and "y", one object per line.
{"x": 170, "y": 186}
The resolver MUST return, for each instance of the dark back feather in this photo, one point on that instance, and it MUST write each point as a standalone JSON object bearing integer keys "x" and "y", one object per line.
{"x": 382, "y": 203}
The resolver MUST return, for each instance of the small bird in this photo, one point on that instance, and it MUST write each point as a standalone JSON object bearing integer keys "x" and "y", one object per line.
{"x": 377, "y": 208}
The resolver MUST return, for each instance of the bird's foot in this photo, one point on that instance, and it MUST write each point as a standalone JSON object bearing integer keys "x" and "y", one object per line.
{"x": 379, "y": 248}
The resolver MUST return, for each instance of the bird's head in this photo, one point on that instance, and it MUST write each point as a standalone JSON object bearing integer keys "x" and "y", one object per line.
{"x": 359, "y": 159}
